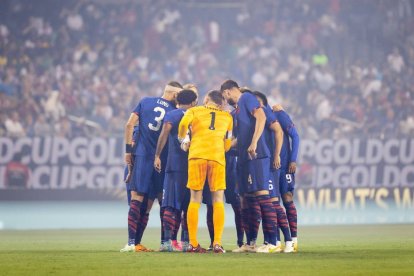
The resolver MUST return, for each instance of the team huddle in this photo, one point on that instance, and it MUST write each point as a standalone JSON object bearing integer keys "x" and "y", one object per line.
{"x": 184, "y": 155}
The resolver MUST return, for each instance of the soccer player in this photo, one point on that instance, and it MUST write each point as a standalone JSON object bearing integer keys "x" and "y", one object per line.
{"x": 176, "y": 196}
{"x": 288, "y": 155}
{"x": 274, "y": 138}
{"x": 146, "y": 181}
{"x": 211, "y": 129}
{"x": 253, "y": 161}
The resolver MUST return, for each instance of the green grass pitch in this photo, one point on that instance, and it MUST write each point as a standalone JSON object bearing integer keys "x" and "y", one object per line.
{"x": 363, "y": 250}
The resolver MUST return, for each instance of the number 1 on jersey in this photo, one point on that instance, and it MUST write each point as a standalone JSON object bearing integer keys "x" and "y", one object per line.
{"x": 213, "y": 120}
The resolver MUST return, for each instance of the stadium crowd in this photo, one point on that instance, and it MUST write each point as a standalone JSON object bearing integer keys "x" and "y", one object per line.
{"x": 341, "y": 68}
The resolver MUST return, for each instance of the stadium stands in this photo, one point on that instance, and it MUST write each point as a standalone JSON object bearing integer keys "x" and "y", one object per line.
{"x": 78, "y": 67}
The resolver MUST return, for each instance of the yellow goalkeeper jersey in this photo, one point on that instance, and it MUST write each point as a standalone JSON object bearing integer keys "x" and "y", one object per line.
{"x": 211, "y": 131}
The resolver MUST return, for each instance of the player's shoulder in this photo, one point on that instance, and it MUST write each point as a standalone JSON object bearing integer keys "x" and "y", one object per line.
{"x": 247, "y": 96}
{"x": 174, "y": 114}
{"x": 282, "y": 115}
{"x": 268, "y": 112}
{"x": 226, "y": 114}
{"x": 145, "y": 100}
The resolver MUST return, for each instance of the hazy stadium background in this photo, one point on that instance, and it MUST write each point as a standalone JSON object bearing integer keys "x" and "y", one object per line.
{"x": 71, "y": 72}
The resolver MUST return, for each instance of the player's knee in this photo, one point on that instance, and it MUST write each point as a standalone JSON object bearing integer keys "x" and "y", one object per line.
{"x": 275, "y": 199}
{"x": 137, "y": 196}
{"x": 196, "y": 196}
{"x": 243, "y": 202}
{"x": 288, "y": 197}
{"x": 261, "y": 192}
{"x": 218, "y": 196}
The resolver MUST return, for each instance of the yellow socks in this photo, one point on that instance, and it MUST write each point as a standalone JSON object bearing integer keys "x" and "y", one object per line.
{"x": 192, "y": 222}
{"x": 218, "y": 221}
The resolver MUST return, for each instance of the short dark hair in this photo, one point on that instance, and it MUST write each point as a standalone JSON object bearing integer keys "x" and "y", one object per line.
{"x": 261, "y": 96}
{"x": 216, "y": 97}
{"x": 228, "y": 84}
{"x": 175, "y": 84}
{"x": 186, "y": 96}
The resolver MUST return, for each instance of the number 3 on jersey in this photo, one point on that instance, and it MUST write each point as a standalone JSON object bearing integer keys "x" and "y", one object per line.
{"x": 158, "y": 119}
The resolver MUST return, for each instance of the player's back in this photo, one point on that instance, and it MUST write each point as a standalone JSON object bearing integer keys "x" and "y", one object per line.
{"x": 151, "y": 112}
{"x": 177, "y": 159}
{"x": 208, "y": 130}
{"x": 245, "y": 127}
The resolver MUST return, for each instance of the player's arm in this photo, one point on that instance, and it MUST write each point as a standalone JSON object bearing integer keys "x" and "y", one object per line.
{"x": 277, "y": 130}
{"x": 260, "y": 117}
{"x": 294, "y": 136}
{"x": 162, "y": 140}
{"x": 289, "y": 128}
{"x": 185, "y": 124}
{"x": 129, "y": 129}
{"x": 229, "y": 136}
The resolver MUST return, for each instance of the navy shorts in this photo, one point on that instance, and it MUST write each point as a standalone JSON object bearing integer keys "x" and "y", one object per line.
{"x": 254, "y": 175}
{"x": 274, "y": 176}
{"x": 286, "y": 182}
{"x": 207, "y": 199}
{"x": 175, "y": 194}
{"x": 145, "y": 179}
{"x": 231, "y": 179}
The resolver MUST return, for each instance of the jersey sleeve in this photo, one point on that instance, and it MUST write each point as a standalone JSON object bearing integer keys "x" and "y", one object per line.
{"x": 185, "y": 123}
{"x": 138, "y": 109}
{"x": 251, "y": 103}
{"x": 169, "y": 118}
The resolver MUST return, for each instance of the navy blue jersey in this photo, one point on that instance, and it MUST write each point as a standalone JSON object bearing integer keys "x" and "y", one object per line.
{"x": 245, "y": 126}
{"x": 289, "y": 150}
{"x": 151, "y": 112}
{"x": 269, "y": 134}
{"x": 177, "y": 159}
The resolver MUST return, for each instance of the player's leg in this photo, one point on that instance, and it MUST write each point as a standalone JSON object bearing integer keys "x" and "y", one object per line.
{"x": 254, "y": 218}
{"x": 210, "y": 225}
{"x": 233, "y": 198}
{"x": 175, "y": 244}
{"x": 287, "y": 187}
{"x": 242, "y": 180}
{"x": 259, "y": 170}
{"x": 134, "y": 215}
{"x": 185, "y": 241}
{"x": 140, "y": 186}
{"x": 236, "y": 205}
{"x": 156, "y": 191}
{"x": 216, "y": 174}
{"x": 197, "y": 170}
{"x": 127, "y": 173}
{"x": 208, "y": 201}
{"x": 169, "y": 224}
{"x": 171, "y": 204}
{"x": 192, "y": 221}
{"x": 282, "y": 222}
{"x": 168, "y": 213}
{"x": 142, "y": 225}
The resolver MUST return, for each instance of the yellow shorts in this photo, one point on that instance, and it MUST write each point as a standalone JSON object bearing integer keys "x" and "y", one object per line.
{"x": 198, "y": 169}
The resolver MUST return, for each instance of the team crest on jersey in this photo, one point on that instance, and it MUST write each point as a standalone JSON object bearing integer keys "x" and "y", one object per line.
{"x": 249, "y": 179}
